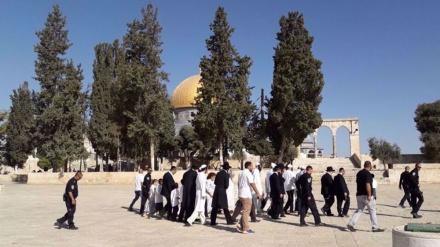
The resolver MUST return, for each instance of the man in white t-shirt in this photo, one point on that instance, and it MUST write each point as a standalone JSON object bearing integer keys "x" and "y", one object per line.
{"x": 246, "y": 184}
{"x": 137, "y": 188}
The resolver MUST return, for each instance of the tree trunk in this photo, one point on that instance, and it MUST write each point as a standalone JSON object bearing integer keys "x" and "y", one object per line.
{"x": 119, "y": 159}
{"x": 101, "y": 167}
{"x": 282, "y": 149}
{"x": 220, "y": 151}
{"x": 96, "y": 162}
{"x": 152, "y": 153}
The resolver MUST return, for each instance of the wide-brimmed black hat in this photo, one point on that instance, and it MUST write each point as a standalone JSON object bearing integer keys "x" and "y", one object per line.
{"x": 226, "y": 165}
{"x": 330, "y": 169}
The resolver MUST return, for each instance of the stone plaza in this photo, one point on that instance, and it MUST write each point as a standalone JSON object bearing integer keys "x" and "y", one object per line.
{"x": 28, "y": 213}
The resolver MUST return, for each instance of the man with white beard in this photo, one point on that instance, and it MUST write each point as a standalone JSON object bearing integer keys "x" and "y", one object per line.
{"x": 257, "y": 178}
{"x": 267, "y": 185}
{"x": 199, "y": 209}
{"x": 288, "y": 187}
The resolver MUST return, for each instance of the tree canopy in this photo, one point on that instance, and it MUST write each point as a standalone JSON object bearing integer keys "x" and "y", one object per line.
{"x": 383, "y": 150}
{"x": 61, "y": 104}
{"x": 21, "y": 126}
{"x": 296, "y": 88}
{"x": 427, "y": 118}
{"x": 223, "y": 102}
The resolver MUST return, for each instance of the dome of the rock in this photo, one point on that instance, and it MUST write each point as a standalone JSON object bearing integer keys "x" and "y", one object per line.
{"x": 185, "y": 93}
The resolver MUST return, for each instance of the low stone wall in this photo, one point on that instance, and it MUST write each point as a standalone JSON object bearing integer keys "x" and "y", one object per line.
{"x": 430, "y": 173}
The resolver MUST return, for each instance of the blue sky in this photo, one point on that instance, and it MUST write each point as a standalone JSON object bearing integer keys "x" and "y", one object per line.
{"x": 380, "y": 58}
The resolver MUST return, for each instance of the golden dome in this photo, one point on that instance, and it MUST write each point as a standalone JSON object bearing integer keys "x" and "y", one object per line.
{"x": 185, "y": 92}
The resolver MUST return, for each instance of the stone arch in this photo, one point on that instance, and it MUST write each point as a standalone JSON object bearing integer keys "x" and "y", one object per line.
{"x": 351, "y": 124}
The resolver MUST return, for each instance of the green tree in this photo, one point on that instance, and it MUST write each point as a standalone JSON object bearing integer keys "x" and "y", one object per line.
{"x": 150, "y": 115}
{"x": 188, "y": 143}
{"x": 297, "y": 85}
{"x": 61, "y": 103}
{"x": 257, "y": 139}
{"x": 428, "y": 123}
{"x": 21, "y": 126}
{"x": 223, "y": 101}
{"x": 383, "y": 150}
{"x": 101, "y": 100}
{"x": 3, "y": 126}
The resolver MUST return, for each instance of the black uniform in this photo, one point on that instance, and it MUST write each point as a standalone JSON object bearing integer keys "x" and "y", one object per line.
{"x": 167, "y": 187}
{"x": 413, "y": 181}
{"x": 72, "y": 186}
{"x": 276, "y": 189}
{"x": 145, "y": 191}
{"x": 327, "y": 193}
{"x": 305, "y": 185}
{"x": 220, "y": 199}
{"x": 340, "y": 188}
{"x": 188, "y": 197}
{"x": 404, "y": 184}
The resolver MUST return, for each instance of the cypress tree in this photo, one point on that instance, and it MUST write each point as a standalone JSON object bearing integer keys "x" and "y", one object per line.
{"x": 296, "y": 88}
{"x": 223, "y": 101}
{"x": 148, "y": 107}
{"x": 21, "y": 126}
{"x": 101, "y": 100}
{"x": 60, "y": 103}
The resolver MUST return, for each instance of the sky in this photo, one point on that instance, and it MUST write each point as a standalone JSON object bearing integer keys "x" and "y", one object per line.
{"x": 380, "y": 59}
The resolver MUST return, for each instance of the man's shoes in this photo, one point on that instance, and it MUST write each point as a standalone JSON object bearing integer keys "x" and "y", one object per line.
{"x": 230, "y": 223}
{"x": 330, "y": 215}
{"x": 323, "y": 211}
{"x": 378, "y": 230}
{"x": 303, "y": 225}
{"x": 255, "y": 220}
{"x": 188, "y": 224}
{"x": 416, "y": 216}
{"x": 285, "y": 212}
{"x": 213, "y": 224}
{"x": 59, "y": 223}
{"x": 72, "y": 227}
{"x": 130, "y": 209}
{"x": 345, "y": 215}
{"x": 340, "y": 215}
{"x": 320, "y": 224}
{"x": 351, "y": 228}
{"x": 235, "y": 221}
{"x": 238, "y": 227}
{"x": 401, "y": 205}
{"x": 282, "y": 215}
{"x": 248, "y": 232}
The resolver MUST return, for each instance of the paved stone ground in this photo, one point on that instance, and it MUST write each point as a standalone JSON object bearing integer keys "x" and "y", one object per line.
{"x": 28, "y": 212}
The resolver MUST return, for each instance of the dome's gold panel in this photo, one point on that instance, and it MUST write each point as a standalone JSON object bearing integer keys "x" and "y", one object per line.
{"x": 185, "y": 92}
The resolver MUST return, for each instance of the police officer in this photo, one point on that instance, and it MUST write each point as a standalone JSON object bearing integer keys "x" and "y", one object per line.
{"x": 403, "y": 183}
{"x": 69, "y": 198}
{"x": 307, "y": 199}
{"x": 145, "y": 191}
{"x": 414, "y": 189}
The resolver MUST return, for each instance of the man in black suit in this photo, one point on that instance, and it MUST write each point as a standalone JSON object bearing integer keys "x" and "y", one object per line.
{"x": 404, "y": 183}
{"x": 342, "y": 194}
{"x": 276, "y": 194}
{"x": 220, "y": 199}
{"x": 189, "y": 194}
{"x": 304, "y": 184}
{"x": 167, "y": 187}
{"x": 327, "y": 191}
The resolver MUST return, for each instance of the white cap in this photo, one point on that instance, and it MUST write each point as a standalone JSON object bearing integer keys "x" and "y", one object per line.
{"x": 289, "y": 166}
{"x": 258, "y": 164}
{"x": 302, "y": 167}
{"x": 272, "y": 165}
{"x": 202, "y": 167}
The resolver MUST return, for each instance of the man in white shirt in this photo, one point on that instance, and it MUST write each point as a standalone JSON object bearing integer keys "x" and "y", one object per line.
{"x": 288, "y": 187}
{"x": 245, "y": 183}
{"x": 257, "y": 178}
{"x": 137, "y": 188}
{"x": 267, "y": 186}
